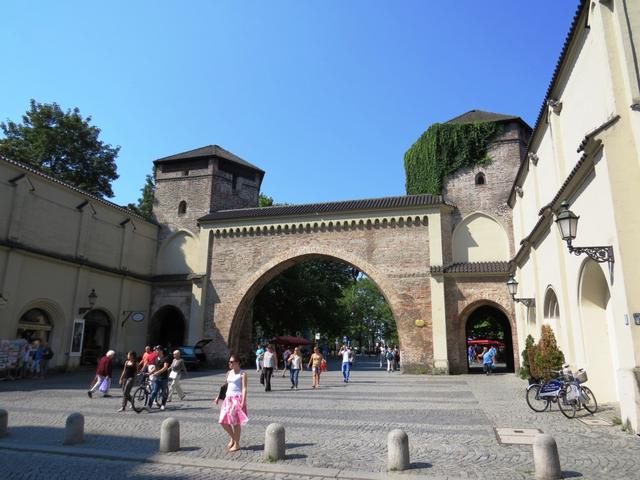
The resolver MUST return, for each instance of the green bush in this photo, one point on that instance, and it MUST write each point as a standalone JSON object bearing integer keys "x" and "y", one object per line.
{"x": 546, "y": 357}
{"x": 525, "y": 369}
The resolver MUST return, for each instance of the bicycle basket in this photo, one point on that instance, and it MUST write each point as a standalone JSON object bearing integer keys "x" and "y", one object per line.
{"x": 550, "y": 389}
{"x": 572, "y": 392}
{"x": 581, "y": 375}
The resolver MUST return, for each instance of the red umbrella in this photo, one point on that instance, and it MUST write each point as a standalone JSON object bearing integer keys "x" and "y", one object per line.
{"x": 486, "y": 342}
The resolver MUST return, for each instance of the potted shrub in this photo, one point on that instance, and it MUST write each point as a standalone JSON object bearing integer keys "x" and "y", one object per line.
{"x": 527, "y": 354}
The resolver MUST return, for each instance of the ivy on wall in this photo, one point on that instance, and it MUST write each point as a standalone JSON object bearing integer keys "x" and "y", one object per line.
{"x": 444, "y": 149}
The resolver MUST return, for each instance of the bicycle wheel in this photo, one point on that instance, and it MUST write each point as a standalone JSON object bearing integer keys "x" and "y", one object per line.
{"x": 536, "y": 403}
{"x": 567, "y": 407}
{"x": 590, "y": 404}
{"x": 140, "y": 399}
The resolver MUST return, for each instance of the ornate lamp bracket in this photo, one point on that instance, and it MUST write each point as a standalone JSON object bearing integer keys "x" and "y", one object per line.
{"x": 599, "y": 254}
{"x": 527, "y": 302}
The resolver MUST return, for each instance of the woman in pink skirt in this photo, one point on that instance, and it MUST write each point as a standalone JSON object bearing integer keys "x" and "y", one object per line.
{"x": 233, "y": 413}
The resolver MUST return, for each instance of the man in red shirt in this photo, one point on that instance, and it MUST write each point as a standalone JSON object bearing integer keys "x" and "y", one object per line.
{"x": 104, "y": 371}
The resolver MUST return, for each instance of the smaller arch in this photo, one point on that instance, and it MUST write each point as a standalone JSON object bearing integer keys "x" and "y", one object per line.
{"x": 385, "y": 223}
{"x": 182, "y": 208}
{"x": 551, "y": 308}
{"x": 480, "y": 179}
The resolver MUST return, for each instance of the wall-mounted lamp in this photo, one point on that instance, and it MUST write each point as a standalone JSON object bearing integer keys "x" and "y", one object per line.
{"x": 512, "y": 285}
{"x": 567, "y": 222}
{"x": 93, "y": 296}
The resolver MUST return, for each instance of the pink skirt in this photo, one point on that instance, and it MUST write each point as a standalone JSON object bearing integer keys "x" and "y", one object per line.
{"x": 231, "y": 412}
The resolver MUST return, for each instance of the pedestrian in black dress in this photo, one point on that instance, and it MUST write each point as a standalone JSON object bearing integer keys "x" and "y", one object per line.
{"x": 127, "y": 379}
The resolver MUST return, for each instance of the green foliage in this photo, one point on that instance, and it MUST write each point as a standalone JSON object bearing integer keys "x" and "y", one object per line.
{"x": 144, "y": 207}
{"x": 63, "y": 145}
{"x": 304, "y": 298}
{"x": 444, "y": 149}
{"x": 488, "y": 328}
{"x": 525, "y": 369}
{"x": 265, "y": 200}
{"x": 367, "y": 314}
{"x": 546, "y": 357}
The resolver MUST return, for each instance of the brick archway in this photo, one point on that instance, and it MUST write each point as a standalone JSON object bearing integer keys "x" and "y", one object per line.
{"x": 393, "y": 250}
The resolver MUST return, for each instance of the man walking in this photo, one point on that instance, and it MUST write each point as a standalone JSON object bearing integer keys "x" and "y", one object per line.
{"x": 347, "y": 356}
{"x": 161, "y": 382}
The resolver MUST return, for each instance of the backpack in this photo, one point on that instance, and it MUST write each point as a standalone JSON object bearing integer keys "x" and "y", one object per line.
{"x": 390, "y": 355}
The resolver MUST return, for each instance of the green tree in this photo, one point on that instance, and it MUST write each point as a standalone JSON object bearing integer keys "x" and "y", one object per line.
{"x": 265, "y": 200}
{"x": 144, "y": 207}
{"x": 547, "y": 357}
{"x": 61, "y": 144}
{"x": 368, "y": 315}
{"x": 525, "y": 369}
{"x": 304, "y": 298}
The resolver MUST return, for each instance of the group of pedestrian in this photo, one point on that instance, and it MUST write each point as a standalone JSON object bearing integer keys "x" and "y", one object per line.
{"x": 390, "y": 356}
{"x": 33, "y": 359}
{"x": 154, "y": 364}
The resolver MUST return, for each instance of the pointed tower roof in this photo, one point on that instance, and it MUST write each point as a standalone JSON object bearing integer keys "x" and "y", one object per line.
{"x": 209, "y": 151}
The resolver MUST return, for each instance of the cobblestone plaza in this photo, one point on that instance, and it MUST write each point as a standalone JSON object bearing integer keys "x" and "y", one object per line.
{"x": 339, "y": 431}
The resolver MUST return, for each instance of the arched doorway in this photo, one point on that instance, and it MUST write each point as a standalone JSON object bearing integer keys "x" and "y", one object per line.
{"x": 595, "y": 308}
{"x": 488, "y": 326}
{"x": 35, "y": 324}
{"x": 167, "y": 328}
{"x": 97, "y": 334}
{"x": 316, "y": 295}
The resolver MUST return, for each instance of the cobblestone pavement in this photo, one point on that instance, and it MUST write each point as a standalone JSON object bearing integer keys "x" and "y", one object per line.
{"x": 450, "y": 421}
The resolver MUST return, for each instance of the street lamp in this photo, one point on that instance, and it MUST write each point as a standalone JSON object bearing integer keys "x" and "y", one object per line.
{"x": 93, "y": 296}
{"x": 567, "y": 222}
{"x": 512, "y": 286}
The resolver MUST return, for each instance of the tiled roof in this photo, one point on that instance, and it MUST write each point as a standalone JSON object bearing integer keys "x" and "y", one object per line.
{"x": 37, "y": 172}
{"x": 473, "y": 116}
{"x": 473, "y": 267}
{"x": 208, "y": 151}
{"x": 330, "y": 207}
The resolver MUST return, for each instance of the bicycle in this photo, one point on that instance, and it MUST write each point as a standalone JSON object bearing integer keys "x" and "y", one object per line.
{"x": 141, "y": 394}
{"x": 566, "y": 390}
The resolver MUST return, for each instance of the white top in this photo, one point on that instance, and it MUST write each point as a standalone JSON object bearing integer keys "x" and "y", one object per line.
{"x": 296, "y": 362}
{"x": 345, "y": 355}
{"x": 267, "y": 361}
{"x": 234, "y": 381}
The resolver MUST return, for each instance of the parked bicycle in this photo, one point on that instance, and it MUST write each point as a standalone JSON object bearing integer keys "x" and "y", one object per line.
{"x": 566, "y": 390}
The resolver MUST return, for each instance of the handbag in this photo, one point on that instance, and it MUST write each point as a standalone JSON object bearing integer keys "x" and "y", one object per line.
{"x": 223, "y": 392}
{"x": 104, "y": 386}
{"x": 173, "y": 374}
{"x": 262, "y": 378}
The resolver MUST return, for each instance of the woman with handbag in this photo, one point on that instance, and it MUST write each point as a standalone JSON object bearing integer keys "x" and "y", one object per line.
{"x": 233, "y": 413}
{"x": 175, "y": 375}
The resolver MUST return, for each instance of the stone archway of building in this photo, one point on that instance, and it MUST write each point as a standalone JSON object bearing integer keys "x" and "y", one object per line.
{"x": 167, "y": 327}
{"x": 595, "y": 313}
{"x": 97, "y": 335}
{"x": 478, "y": 312}
{"x": 243, "y": 310}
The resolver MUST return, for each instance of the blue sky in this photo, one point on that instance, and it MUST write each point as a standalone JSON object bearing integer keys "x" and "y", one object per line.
{"x": 325, "y": 96}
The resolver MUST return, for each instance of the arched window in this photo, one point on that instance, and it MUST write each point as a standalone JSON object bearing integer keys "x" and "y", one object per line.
{"x": 480, "y": 179}
{"x": 551, "y": 309}
{"x": 182, "y": 208}
{"x": 35, "y": 324}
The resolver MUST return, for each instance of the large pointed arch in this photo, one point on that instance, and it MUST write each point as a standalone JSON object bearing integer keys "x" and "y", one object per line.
{"x": 480, "y": 237}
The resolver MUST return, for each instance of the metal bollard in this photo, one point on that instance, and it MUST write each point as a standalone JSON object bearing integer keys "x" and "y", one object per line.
{"x": 545, "y": 458}
{"x": 74, "y": 429}
{"x": 4, "y": 423}
{"x": 170, "y": 435}
{"x": 397, "y": 450}
{"x": 274, "y": 447}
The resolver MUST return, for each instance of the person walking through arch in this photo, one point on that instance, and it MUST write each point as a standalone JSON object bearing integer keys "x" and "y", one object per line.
{"x": 347, "y": 358}
{"x": 233, "y": 413}
{"x": 269, "y": 364}
{"x": 259, "y": 357}
{"x": 285, "y": 357}
{"x": 314, "y": 364}
{"x": 295, "y": 365}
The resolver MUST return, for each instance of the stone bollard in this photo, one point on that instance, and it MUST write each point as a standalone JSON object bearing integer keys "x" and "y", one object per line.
{"x": 4, "y": 423}
{"x": 545, "y": 458}
{"x": 170, "y": 435}
{"x": 397, "y": 450}
{"x": 74, "y": 429}
{"x": 274, "y": 442}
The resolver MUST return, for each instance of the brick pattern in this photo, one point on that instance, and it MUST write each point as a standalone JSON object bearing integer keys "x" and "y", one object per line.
{"x": 396, "y": 258}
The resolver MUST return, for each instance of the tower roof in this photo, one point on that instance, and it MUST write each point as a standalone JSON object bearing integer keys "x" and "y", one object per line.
{"x": 473, "y": 116}
{"x": 209, "y": 151}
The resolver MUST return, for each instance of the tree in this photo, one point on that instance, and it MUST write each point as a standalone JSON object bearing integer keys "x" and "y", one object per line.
{"x": 144, "y": 207}
{"x": 265, "y": 200}
{"x": 546, "y": 356}
{"x": 527, "y": 353}
{"x": 63, "y": 145}
{"x": 368, "y": 315}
